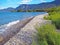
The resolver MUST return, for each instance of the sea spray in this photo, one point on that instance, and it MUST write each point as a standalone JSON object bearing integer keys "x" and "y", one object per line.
{"x": 6, "y": 26}
{"x": 12, "y": 23}
{"x": 2, "y": 28}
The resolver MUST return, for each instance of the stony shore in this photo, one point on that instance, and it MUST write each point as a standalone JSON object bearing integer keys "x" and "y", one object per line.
{"x": 12, "y": 29}
{"x": 24, "y": 36}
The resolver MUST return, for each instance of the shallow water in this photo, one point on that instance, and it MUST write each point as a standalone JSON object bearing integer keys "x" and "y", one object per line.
{"x": 9, "y": 18}
{"x": 6, "y": 17}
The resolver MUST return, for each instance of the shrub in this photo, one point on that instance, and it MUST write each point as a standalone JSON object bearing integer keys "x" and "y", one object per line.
{"x": 56, "y": 20}
{"x": 34, "y": 42}
{"x": 54, "y": 16}
{"x": 47, "y": 35}
{"x": 47, "y": 17}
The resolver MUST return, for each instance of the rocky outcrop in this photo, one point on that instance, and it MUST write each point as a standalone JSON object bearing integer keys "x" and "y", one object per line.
{"x": 13, "y": 30}
{"x": 25, "y": 35}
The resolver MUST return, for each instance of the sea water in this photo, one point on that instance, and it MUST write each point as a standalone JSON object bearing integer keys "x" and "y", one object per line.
{"x": 9, "y": 18}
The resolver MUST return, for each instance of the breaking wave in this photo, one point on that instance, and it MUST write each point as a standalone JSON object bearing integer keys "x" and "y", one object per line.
{"x": 5, "y": 26}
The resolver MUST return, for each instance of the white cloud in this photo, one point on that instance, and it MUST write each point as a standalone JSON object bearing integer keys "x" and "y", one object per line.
{"x": 43, "y": 0}
{"x": 25, "y": 1}
{"x": 2, "y": 7}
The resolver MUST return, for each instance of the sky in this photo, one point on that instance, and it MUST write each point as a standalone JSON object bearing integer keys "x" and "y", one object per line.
{"x": 16, "y": 3}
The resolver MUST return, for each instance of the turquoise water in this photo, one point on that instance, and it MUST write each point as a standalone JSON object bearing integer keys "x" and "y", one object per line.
{"x": 6, "y": 17}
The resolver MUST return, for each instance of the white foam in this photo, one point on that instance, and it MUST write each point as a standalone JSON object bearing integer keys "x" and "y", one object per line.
{"x": 2, "y": 28}
{"x": 12, "y": 23}
{"x": 5, "y": 26}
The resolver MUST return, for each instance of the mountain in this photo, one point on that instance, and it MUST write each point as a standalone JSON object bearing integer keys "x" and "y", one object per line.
{"x": 7, "y": 9}
{"x": 34, "y": 6}
{"x": 57, "y": 2}
{"x": 38, "y": 6}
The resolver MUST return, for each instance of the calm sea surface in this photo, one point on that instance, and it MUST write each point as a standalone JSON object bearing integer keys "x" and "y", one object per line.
{"x": 6, "y": 17}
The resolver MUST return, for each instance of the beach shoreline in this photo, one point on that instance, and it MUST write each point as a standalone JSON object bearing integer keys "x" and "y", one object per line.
{"x": 12, "y": 29}
{"x": 24, "y": 36}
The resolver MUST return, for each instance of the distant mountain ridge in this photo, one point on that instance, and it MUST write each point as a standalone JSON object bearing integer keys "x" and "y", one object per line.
{"x": 38, "y": 6}
{"x": 7, "y": 9}
{"x": 35, "y": 6}
{"x": 57, "y": 2}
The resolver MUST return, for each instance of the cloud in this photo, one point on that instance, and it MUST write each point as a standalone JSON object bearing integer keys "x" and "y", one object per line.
{"x": 43, "y": 0}
{"x": 2, "y": 7}
{"x": 25, "y": 1}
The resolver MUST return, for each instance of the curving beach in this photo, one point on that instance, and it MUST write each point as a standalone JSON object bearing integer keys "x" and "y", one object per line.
{"x": 24, "y": 36}
{"x": 11, "y": 29}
